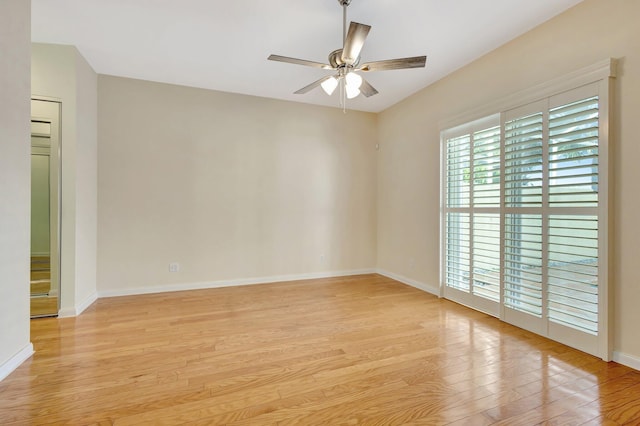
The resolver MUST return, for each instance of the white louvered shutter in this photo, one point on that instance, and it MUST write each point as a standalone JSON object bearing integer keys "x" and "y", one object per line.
{"x": 524, "y": 234}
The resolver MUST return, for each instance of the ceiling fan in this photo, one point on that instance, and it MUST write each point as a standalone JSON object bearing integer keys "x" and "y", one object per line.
{"x": 346, "y": 63}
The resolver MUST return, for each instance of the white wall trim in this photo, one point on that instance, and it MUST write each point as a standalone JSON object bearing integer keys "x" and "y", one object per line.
{"x": 78, "y": 309}
{"x": 601, "y": 70}
{"x": 409, "y": 281}
{"x": 67, "y": 312}
{"x": 230, "y": 283}
{"x": 15, "y": 361}
{"x": 628, "y": 360}
{"x": 86, "y": 303}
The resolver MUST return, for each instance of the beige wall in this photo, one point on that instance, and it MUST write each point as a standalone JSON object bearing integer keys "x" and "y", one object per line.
{"x": 15, "y": 149}
{"x": 61, "y": 73}
{"x": 231, "y": 187}
{"x": 86, "y": 184}
{"x": 409, "y": 170}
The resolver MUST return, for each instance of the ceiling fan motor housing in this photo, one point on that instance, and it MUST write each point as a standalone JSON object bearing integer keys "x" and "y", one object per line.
{"x": 335, "y": 59}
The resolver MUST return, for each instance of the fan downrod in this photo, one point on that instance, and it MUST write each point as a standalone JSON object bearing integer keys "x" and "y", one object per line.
{"x": 344, "y": 2}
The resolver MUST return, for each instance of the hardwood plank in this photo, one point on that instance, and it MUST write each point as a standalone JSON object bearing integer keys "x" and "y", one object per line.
{"x": 346, "y": 350}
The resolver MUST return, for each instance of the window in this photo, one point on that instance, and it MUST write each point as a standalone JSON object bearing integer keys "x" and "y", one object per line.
{"x": 524, "y": 219}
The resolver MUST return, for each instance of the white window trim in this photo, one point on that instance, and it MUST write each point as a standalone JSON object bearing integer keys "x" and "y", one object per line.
{"x": 601, "y": 70}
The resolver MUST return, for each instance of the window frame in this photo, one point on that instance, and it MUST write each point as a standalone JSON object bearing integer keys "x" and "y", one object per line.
{"x": 600, "y": 74}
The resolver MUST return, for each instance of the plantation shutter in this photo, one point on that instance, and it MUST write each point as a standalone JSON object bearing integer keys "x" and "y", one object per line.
{"x": 486, "y": 216}
{"x": 573, "y": 255}
{"x": 523, "y": 263}
{"x": 458, "y": 240}
{"x": 525, "y": 221}
{"x": 472, "y": 222}
{"x": 573, "y": 272}
{"x": 573, "y": 154}
{"x": 523, "y": 191}
{"x": 523, "y": 161}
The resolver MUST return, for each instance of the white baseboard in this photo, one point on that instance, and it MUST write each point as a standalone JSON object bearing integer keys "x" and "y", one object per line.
{"x": 230, "y": 283}
{"x": 78, "y": 309}
{"x": 628, "y": 360}
{"x": 67, "y": 312}
{"x": 413, "y": 283}
{"x": 15, "y": 361}
{"x": 86, "y": 303}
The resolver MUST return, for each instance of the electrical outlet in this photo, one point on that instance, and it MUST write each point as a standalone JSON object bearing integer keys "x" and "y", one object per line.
{"x": 322, "y": 258}
{"x": 412, "y": 263}
{"x": 174, "y": 267}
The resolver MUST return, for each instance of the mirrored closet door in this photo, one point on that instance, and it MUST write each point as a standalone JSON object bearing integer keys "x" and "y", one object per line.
{"x": 45, "y": 216}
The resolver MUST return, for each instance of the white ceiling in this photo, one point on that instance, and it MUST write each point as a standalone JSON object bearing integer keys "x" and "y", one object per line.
{"x": 224, "y": 45}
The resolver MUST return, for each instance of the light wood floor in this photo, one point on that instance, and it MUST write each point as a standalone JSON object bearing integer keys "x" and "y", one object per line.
{"x": 356, "y": 350}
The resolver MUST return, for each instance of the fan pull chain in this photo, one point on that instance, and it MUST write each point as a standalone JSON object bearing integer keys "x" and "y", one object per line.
{"x": 342, "y": 103}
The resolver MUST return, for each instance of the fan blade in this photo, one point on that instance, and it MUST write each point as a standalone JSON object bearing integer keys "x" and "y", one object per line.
{"x": 367, "y": 89}
{"x": 312, "y": 86}
{"x": 395, "y": 64}
{"x": 299, "y": 62}
{"x": 354, "y": 42}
